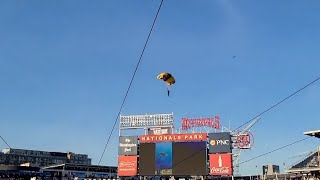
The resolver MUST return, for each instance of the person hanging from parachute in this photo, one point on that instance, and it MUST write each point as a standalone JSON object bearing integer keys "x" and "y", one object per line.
{"x": 168, "y": 79}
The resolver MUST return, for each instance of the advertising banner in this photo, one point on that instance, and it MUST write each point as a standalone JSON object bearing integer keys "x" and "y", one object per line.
{"x": 159, "y": 131}
{"x": 127, "y": 165}
{"x": 188, "y": 123}
{"x": 128, "y": 145}
{"x": 242, "y": 141}
{"x": 173, "y": 137}
{"x": 220, "y": 142}
{"x": 220, "y": 164}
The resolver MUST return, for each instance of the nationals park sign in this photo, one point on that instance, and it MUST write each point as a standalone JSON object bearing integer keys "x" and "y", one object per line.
{"x": 173, "y": 137}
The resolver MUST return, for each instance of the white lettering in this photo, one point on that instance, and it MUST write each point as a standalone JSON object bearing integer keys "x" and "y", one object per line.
{"x": 179, "y": 137}
{"x": 222, "y": 142}
{"x": 127, "y": 145}
{"x": 222, "y": 170}
{"x": 127, "y": 164}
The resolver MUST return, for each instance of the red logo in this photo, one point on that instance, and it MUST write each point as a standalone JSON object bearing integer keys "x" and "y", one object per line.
{"x": 188, "y": 123}
{"x": 243, "y": 141}
{"x": 220, "y": 164}
{"x": 127, "y": 165}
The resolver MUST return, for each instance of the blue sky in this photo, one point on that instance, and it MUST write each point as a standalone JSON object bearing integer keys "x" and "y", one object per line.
{"x": 65, "y": 66}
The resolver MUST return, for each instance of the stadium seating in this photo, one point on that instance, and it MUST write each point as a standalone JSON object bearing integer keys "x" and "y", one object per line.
{"x": 310, "y": 161}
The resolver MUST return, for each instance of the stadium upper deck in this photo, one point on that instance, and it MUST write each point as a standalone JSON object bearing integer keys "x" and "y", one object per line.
{"x": 315, "y": 133}
{"x": 310, "y": 165}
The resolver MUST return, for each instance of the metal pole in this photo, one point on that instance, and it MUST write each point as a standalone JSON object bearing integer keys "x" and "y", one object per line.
{"x": 120, "y": 126}
{"x": 319, "y": 156}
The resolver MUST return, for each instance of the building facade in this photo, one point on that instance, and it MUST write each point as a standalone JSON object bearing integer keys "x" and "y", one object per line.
{"x": 270, "y": 169}
{"x": 82, "y": 171}
{"x": 10, "y": 156}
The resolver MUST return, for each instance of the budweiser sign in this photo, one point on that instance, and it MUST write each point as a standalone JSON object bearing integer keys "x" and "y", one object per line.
{"x": 220, "y": 164}
{"x": 188, "y": 123}
{"x": 173, "y": 137}
{"x": 127, "y": 165}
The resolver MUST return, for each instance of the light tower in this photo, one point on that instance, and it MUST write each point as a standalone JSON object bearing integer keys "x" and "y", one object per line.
{"x": 241, "y": 141}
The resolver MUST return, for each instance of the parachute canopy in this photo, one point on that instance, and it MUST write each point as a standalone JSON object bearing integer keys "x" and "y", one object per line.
{"x": 167, "y": 78}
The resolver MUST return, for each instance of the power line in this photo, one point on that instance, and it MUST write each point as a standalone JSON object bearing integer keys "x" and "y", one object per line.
{"x": 135, "y": 71}
{"x": 275, "y": 150}
{"x": 278, "y": 103}
{"x": 275, "y": 105}
{"x": 5, "y": 141}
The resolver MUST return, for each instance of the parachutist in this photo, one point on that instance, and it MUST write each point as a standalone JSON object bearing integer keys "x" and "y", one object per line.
{"x": 168, "y": 79}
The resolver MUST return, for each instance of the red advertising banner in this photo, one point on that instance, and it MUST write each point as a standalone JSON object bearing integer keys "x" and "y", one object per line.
{"x": 127, "y": 165}
{"x": 188, "y": 123}
{"x": 173, "y": 137}
{"x": 221, "y": 164}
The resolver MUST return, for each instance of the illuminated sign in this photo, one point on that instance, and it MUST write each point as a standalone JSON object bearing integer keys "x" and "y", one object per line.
{"x": 173, "y": 137}
{"x": 127, "y": 165}
{"x": 220, "y": 164}
{"x": 242, "y": 141}
{"x": 220, "y": 142}
{"x": 188, "y": 123}
{"x": 146, "y": 121}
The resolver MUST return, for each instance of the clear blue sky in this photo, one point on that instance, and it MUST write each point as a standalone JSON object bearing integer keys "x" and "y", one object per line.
{"x": 65, "y": 66}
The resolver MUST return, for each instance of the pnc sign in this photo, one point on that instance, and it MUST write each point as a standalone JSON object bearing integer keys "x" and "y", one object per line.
{"x": 220, "y": 142}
